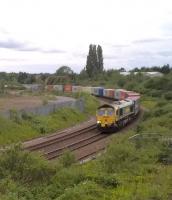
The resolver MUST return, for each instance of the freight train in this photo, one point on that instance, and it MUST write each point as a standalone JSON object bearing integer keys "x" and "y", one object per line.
{"x": 125, "y": 107}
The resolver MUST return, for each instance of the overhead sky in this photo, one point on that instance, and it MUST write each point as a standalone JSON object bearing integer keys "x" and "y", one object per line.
{"x": 42, "y": 35}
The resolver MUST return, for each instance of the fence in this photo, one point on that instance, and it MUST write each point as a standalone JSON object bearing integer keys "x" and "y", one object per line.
{"x": 48, "y": 108}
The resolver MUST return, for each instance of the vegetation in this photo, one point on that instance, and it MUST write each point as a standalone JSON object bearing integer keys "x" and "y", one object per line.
{"x": 20, "y": 128}
{"x": 94, "y": 64}
{"x": 136, "y": 165}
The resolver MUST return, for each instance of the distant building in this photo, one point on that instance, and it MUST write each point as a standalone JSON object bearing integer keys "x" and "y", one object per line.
{"x": 125, "y": 73}
{"x": 150, "y": 74}
{"x": 153, "y": 74}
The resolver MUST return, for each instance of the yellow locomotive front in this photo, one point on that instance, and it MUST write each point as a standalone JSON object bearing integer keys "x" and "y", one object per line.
{"x": 106, "y": 117}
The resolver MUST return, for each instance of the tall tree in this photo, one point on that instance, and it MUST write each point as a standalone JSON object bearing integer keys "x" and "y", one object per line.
{"x": 100, "y": 58}
{"x": 90, "y": 62}
{"x": 94, "y": 63}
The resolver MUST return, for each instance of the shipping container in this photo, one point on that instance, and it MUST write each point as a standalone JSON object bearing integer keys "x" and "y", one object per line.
{"x": 100, "y": 92}
{"x": 86, "y": 89}
{"x": 97, "y": 90}
{"x": 120, "y": 94}
{"x": 49, "y": 88}
{"x": 131, "y": 93}
{"x": 109, "y": 93}
{"x": 67, "y": 88}
{"x": 136, "y": 100}
{"x": 76, "y": 88}
{"x": 105, "y": 93}
{"x": 58, "y": 88}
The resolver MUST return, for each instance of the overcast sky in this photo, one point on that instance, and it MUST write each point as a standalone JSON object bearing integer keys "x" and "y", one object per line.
{"x": 42, "y": 35}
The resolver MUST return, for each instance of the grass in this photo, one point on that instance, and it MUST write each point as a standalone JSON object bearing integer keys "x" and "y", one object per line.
{"x": 130, "y": 169}
{"x": 29, "y": 126}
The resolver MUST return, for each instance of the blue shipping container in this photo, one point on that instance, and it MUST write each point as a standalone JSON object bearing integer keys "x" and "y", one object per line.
{"x": 100, "y": 92}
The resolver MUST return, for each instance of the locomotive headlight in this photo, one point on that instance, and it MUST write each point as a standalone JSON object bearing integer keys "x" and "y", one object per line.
{"x": 98, "y": 122}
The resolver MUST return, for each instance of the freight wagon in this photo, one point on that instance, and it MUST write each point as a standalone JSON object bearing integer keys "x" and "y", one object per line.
{"x": 87, "y": 89}
{"x": 97, "y": 91}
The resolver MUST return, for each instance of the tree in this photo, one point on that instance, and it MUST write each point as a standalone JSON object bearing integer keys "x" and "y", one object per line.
{"x": 100, "y": 58}
{"x": 22, "y": 76}
{"x": 165, "y": 69}
{"x": 90, "y": 63}
{"x": 64, "y": 70}
{"x": 63, "y": 75}
{"x": 94, "y": 64}
{"x": 122, "y": 69}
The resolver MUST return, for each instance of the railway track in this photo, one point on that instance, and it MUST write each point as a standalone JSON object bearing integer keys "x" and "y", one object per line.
{"x": 74, "y": 146}
{"x": 85, "y": 141}
{"x": 73, "y": 140}
{"x": 60, "y": 138}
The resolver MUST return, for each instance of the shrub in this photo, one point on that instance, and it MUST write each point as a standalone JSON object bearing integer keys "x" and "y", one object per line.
{"x": 15, "y": 116}
{"x": 67, "y": 159}
{"x": 106, "y": 180}
{"x": 118, "y": 157}
{"x": 23, "y": 166}
{"x": 168, "y": 96}
{"x": 165, "y": 156}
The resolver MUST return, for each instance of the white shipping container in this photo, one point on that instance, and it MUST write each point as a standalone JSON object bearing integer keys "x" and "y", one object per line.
{"x": 117, "y": 94}
{"x": 86, "y": 89}
{"x": 58, "y": 87}
{"x": 105, "y": 93}
{"x": 95, "y": 90}
{"x": 76, "y": 88}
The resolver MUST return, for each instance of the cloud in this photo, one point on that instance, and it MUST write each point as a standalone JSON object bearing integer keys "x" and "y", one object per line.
{"x": 165, "y": 53}
{"x": 79, "y": 55}
{"x": 119, "y": 45}
{"x": 11, "y": 44}
{"x": 12, "y": 59}
{"x": 111, "y": 57}
{"x": 167, "y": 28}
{"x": 52, "y": 51}
{"x": 23, "y": 46}
{"x": 149, "y": 40}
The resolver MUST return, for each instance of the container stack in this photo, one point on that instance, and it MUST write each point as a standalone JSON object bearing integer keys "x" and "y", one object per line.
{"x": 76, "y": 88}
{"x": 120, "y": 94}
{"x": 110, "y": 93}
{"x": 58, "y": 88}
{"x": 86, "y": 89}
{"x": 98, "y": 91}
{"x": 67, "y": 88}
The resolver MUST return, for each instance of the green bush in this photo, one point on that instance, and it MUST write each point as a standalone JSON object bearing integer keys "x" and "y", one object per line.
{"x": 21, "y": 165}
{"x": 165, "y": 156}
{"x": 15, "y": 116}
{"x": 105, "y": 180}
{"x": 168, "y": 95}
{"x": 118, "y": 157}
{"x": 67, "y": 159}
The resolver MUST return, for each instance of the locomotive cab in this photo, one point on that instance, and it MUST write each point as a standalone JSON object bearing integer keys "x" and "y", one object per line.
{"x": 106, "y": 117}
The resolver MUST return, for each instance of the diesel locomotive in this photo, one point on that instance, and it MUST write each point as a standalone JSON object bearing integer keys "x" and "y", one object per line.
{"x": 117, "y": 114}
